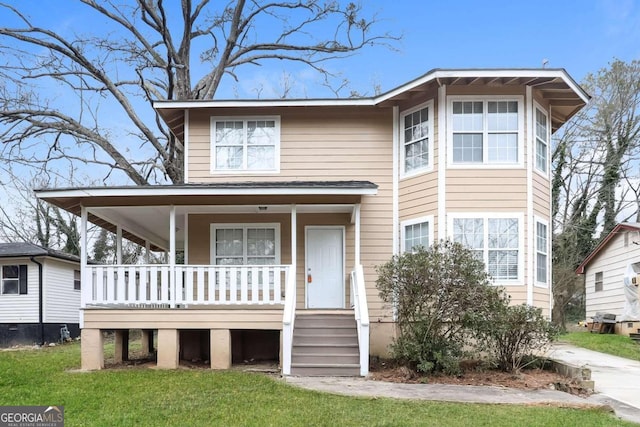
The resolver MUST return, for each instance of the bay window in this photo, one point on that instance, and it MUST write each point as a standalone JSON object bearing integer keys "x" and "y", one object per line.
{"x": 542, "y": 141}
{"x": 417, "y": 233}
{"x": 494, "y": 240}
{"x": 541, "y": 253}
{"x": 485, "y": 131}
{"x": 417, "y": 138}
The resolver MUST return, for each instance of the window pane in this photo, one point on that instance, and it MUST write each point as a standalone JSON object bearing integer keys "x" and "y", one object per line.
{"x": 261, "y": 241}
{"x": 467, "y": 148}
{"x": 416, "y": 155}
{"x": 503, "y": 233}
{"x": 261, "y": 132}
{"x": 541, "y": 268}
{"x": 541, "y": 125}
{"x": 228, "y": 242}
{"x": 467, "y": 116}
{"x": 228, "y": 157}
{"x": 469, "y": 232}
{"x": 260, "y": 157}
{"x": 503, "y": 148}
{"x": 541, "y": 237}
{"x": 503, "y": 265}
{"x": 416, "y": 235}
{"x": 541, "y": 155}
{"x": 10, "y": 272}
{"x": 502, "y": 116}
{"x": 10, "y": 286}
{"x": 229, "y": 133}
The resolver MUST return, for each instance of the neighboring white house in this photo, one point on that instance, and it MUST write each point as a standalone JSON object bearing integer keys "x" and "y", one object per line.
{"x": 605, "y": 268}
{"x": 39, "y": 294}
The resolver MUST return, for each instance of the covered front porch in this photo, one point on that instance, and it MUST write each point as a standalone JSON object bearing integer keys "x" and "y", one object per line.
{"x": 237, "y": 257}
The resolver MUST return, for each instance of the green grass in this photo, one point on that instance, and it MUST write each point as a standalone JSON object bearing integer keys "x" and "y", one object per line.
{"x": 617, "y": 345}
{"x": 194, "y": 397}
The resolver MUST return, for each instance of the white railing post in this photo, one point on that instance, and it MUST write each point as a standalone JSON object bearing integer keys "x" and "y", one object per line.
{"x": 172, "y": 255}
{"x": 288, "y": 320}
{"x": 361, "y": 312}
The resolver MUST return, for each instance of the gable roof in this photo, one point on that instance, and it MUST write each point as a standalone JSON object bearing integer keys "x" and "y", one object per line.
{"x": 555, "y": 85}
{"x": 623, "y": 226}
{"x": 24, "y": 249}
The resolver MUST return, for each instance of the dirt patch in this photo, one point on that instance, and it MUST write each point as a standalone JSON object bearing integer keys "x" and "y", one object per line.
{"x": 527, "y": 379}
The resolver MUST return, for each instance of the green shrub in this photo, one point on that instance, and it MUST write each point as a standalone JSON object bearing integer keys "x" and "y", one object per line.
{"x": 436, "y": 292}
{"x": 512, "y": 333}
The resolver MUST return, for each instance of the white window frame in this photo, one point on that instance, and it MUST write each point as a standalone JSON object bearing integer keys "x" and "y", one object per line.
{"x": 423, "y": 219}
{"x": 77, "y": 280}
{"x": 3, "y": 279}
{"x": 244, "y": 170}
{"x": 545, "y": 174}
{"x": 485, "y": 216}
{"x": 485, "y": 163}
{"x": 221, "y": 226}
{"x": 538, "y": 220}
{"x": 429, "y": 166}
{"x": 596, "y": 281}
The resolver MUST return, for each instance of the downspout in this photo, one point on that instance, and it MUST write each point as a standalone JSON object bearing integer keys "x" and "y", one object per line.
{"x": 40, "y": 305}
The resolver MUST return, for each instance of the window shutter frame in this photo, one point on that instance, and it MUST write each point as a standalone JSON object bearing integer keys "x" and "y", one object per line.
{"x": 23, "y": 279}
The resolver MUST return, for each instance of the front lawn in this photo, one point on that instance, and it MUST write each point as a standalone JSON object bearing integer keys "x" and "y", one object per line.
{"x": 617, "y": 345}
{"x": 198, "y": 397}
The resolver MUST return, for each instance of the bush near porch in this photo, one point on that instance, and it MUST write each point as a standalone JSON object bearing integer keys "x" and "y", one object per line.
{"x": 199, "y": 397}
{"x": 447, "y": 311}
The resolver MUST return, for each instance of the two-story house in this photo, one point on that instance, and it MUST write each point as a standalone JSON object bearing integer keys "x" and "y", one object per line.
{"x": 289, "y": 205}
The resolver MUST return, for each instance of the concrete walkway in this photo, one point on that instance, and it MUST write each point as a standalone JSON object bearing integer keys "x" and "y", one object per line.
{"x": 617, "y": 384}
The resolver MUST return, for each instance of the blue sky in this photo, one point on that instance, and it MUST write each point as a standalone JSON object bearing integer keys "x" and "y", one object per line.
{"x": 579, "y": 35}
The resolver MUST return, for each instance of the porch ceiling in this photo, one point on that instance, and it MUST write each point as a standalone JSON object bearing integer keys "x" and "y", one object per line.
{"x": 143, "y": 212}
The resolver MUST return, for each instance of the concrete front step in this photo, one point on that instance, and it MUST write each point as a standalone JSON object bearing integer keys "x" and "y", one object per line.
{"x": 321, "y": 348}
{"x": 328, "y": 339}
{"x": 325, "y": 358}
{"x": 321, "y": 369}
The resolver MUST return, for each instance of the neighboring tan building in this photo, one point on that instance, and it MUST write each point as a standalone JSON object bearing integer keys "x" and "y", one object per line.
{"x": 39, "y": 294}
{"x": 288, "y": 206}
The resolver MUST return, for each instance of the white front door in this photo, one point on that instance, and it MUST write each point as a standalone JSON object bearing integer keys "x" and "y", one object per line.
{"x": 324, "y": 267}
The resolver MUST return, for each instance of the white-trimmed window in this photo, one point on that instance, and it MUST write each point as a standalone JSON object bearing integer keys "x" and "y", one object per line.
{"x": 599, "y": 280}
{"x": 416, "y": 232}
{"x": 76, "y": 280}
{"x": 542, "y": 141}
{"x": 245, "y": 144}
{"x": 13, "y": 280}
{"x": 245, "y": 244}
{"x": 417, "y": 138}
{"x": 542, "y": 252}
{"x": 494, "y": 239}
{"x": 486, "y": 131}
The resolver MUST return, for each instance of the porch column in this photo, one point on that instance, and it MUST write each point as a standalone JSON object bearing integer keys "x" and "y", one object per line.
{"x": 91, "y": 350}
{"x": 172, "y": 255}
{"x": 357, "y": 234}
{"x": 220, "y": 349}
{"x": 84, "y": 277}
{"x": 294, "y": 235}
{"x": 168, "y": 347}
{"x": 121, "y": 345}
{"x": 118, "y": 245}
{"x": 147, "y": 252}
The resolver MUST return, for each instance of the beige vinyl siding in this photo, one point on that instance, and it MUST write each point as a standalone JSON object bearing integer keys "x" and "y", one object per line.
{"x": 322, "y": 144}
{"x": 206, "y": 318}
{"x": 21, "y": 308}
{"x": 484, "y": 189}
{"x": 61, "y": 301}
{"x": 541, "y": 196}
{"x": 541, "y": 299}
{"x": 612, "y": 261}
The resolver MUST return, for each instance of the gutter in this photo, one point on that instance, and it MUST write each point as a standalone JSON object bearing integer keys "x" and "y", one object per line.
{"x": 40, "y": 305}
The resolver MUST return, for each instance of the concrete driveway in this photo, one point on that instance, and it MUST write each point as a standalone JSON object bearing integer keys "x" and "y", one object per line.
{"x": 615, "y": 377}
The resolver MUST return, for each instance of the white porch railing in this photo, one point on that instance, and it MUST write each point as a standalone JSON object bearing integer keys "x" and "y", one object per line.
{"x": 151, "y": 286}
{"x": 288, "y": 320}
{"x": 361, "y": 311}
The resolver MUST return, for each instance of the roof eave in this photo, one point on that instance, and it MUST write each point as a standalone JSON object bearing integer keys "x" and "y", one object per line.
{"x": 622, "y": 226}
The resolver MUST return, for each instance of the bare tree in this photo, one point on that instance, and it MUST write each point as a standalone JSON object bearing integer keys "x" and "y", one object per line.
{"x": 594, "y": 163}
{"x": 147, "y": 50}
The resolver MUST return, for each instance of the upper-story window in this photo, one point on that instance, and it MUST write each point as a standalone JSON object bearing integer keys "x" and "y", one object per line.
{"x": 417, "y": 139}
{"x": 245, "y": 144}
{"x": 542, "y": 141}
{"x": 486, "y": 131}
